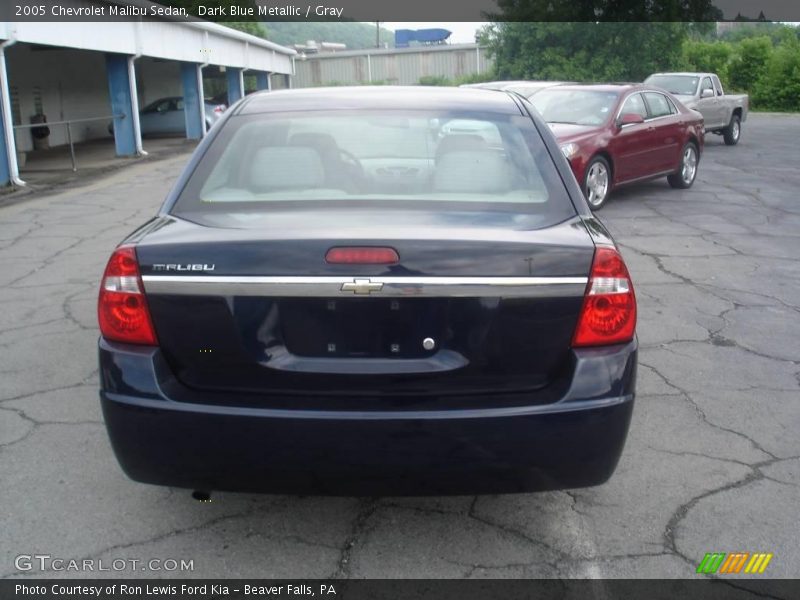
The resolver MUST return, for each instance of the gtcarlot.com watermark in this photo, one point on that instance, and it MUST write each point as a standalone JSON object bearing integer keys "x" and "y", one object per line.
{"x": 47, "y": 562}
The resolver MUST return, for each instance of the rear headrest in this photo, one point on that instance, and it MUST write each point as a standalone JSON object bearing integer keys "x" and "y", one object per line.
{"x": 322, "y": 142}
{"x": 460, "y": 142}
{"x": 473, "y": 172}
{"x": 286, "y": 167}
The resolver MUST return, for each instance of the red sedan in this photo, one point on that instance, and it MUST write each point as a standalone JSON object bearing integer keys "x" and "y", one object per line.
{"x": 618, "y": 134}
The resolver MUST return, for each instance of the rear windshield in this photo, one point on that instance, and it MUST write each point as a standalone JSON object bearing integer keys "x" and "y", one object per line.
{"x": 377, "y": 159}
{"x": 681, "y": 85}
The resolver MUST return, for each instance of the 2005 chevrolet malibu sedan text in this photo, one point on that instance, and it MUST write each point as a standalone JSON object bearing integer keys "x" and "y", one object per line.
{"x": 345, "y": 293}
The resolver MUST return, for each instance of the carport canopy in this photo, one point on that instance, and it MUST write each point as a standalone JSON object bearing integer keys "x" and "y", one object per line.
{"x": 190, "y": 46}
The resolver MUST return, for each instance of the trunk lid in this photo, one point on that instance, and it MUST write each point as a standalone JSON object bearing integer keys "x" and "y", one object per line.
{"x": 478, "y": 302}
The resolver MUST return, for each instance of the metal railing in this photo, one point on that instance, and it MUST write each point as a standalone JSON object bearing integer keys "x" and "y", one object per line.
{"x": 68, "y": 124}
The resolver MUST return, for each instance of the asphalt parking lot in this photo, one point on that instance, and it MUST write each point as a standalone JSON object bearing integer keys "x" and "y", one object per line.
{"x": 712, "y": 462}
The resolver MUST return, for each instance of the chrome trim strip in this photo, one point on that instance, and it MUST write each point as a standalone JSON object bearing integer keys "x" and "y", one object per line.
{"x": 331, "y": 287}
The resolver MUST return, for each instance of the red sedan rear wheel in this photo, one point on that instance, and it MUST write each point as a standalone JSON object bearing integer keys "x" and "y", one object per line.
{"x": 687, "y": 171}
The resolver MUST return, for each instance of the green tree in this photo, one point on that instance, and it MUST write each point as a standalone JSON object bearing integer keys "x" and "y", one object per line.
{"x": 749, "y": 63}
{"x": 779, "y": 88}
{"x": 251, "y": 27}
{"x": 593, "y": 40}
{"x": 584, "y": 51}
{"x": 713, "y": 57}
{"x": 685, "y": 11}
{"x": 355, "y": 35}
{"x": 775, "y": 31}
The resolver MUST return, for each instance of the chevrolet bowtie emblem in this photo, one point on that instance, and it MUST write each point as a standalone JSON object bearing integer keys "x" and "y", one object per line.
{"x": 362, "y": 286}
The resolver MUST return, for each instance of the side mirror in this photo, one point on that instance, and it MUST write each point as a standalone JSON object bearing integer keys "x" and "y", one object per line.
{"x": 707, "y": 93}
{"x": 630, "y": 119}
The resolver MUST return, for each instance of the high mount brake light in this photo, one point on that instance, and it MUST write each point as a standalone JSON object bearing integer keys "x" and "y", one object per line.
{"x": 362, "y": 255}
{"x": 121, "y": 307}
{"x": 608, "y": 315}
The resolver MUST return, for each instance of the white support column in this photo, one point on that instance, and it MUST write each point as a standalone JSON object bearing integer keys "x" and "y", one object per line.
{"x": 137, "y": 128}
{"x": 8, "y": 121}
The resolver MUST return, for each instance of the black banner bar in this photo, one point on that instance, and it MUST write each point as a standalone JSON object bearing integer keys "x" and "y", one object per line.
{"x": 388, "y": 589}
{"x": 407, "y": 10}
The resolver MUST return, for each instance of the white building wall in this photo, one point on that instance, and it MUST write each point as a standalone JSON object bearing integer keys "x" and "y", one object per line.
{"x": 157, "y": 79}
{"x": 399, "y": 66}
{"x": 64, "y": 64}
{"x": 73, "y": 85}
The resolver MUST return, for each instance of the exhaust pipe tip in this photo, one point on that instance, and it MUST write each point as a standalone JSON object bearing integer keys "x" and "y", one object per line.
{"x": 201, "y": 496}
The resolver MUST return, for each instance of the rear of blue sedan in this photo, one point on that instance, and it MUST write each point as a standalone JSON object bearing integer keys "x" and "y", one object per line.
{"x": 370, "y": 291}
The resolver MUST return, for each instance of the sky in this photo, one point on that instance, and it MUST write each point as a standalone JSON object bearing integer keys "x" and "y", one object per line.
{"x": 463, "y": 33}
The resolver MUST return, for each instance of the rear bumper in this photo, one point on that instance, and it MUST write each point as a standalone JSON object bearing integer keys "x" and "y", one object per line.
{"x": 575, "y": 442}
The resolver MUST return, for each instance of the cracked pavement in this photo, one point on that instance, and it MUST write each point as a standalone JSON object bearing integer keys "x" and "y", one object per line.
{"x": 712, "y": 462}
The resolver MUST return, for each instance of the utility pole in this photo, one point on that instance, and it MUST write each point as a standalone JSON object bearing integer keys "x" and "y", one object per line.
{"x": 377, "y": 34}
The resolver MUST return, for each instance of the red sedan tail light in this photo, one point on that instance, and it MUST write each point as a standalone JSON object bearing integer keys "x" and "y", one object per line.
{"x": 608, "y": 315}
{"x": 121, "y": 307}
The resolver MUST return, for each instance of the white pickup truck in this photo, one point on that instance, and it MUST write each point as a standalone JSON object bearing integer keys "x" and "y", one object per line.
{"x": 723, "y": 113}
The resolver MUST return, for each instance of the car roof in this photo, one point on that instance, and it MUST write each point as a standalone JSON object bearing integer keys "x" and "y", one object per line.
{"x": 684, "y": 74}
{"x": 495, "y": 85}
{"x": 618, "y": 88}
{"x": 379, "y": 97}
{"x": 514, "y": 85}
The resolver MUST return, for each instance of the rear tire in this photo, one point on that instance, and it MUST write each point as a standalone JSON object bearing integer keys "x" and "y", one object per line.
{"x": 684, "y": 177}
{"x": 597, "y": 182}
{"x": 733, "y": 131}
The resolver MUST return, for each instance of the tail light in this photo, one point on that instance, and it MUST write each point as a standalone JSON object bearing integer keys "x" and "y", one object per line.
{"x": 219, "y": 109}
{"x": 362, "y": 255}
{"x": 609, "y": 306}
{"x": 121, "y": 308}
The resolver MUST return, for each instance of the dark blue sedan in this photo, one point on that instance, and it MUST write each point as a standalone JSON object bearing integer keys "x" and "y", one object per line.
{"x": 343, "y": 294}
